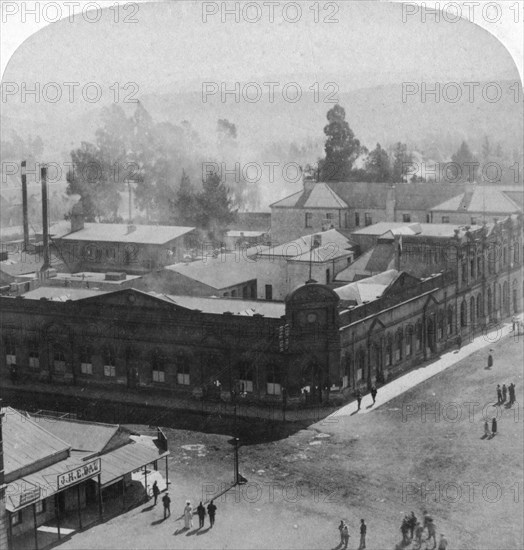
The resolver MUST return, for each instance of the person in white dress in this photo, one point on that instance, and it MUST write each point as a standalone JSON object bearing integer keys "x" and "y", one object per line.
{"x": 188, "y": 516}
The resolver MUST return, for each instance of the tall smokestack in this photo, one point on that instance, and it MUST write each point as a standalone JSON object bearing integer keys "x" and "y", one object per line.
{"x": 24, "y": 206}
{"x": 45, "y": 229}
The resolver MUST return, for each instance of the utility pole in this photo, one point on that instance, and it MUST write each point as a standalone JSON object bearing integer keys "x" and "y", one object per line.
{"x": 4, "y": 538}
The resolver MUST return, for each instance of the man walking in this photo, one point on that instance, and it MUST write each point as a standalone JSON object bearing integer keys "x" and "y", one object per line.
{"x": 512, "y": 393}
{"x": 494, "y": 426}
{"x": 504, "y": 393}
{"x": 211, "y": 511}
{"x": 166, "y": 501}
{"x": 490, "y": 359}
{"x": 345, "y": 535}
{"x": 499, "y": 394}
{"x": 201, "y": 511}
{"x": 374, "y": 393}
{"x": 359, "y": 399}
{"x": 341, "y": 528}
{"x": 156, "y": 492}
{"x": 432, "y": 533}
{"x": 363, "y": 530}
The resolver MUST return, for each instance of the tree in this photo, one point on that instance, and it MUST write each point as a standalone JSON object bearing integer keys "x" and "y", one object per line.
{"x": 402, "y": 162}
{"x": 341, "y": 147}
{"x": 463, "y": 167}
{"x": 215, "y": 210}
{"x": 185, "y": 205}
{"x": 377, "y": 165}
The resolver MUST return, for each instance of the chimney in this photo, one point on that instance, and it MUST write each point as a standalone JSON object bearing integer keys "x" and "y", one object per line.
{"x": 45, "y": 228}
{"x": 77, "y": 217}
{"x": 24, "y": 206}
{"x": 308, "y": 181}
{"x": 390, "y": 204}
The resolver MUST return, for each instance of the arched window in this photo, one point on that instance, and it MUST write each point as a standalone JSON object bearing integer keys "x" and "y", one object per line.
{"x": 33, "y": 352}
{"x": 505, "y": 297}
{"x": 245, "y": 377}
{"x": 183, "y": 370}
{"x": 472, "y": 310}
{"x": 490, "y": 301}
{"x": 110, "y": 363}
{"x": 398, "y": 347}
{"x": 10, "y": 349}
{"x": 479, "y": 306}
{"x": 86, "y": 362}
{"x": 158, "y": 368}
{"x": 361, "y": 364}
{"x": 449, "y": 324}
{"x": 389, "y": 351}
{"x": 409, "y": 340}
{"x": 463, "y": 314}
{"x": 514, "y": 293}
{"x": 347, "y": 371}
{"x": 440, "y": 326}
{"x": 59, "y": 359}
{"x": 418, "y": 336}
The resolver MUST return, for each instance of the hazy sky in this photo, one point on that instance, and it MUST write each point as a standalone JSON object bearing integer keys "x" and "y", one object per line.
{"x": 170, "y": 46}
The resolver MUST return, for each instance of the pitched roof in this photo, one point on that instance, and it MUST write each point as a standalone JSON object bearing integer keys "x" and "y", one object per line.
{"x": 26, "y": 441}
{"x": 222, "y": 305}
{"x": 61, "y": 294}
{"x": 82, "y": 436}
{"x": 119, "y": 232}
{"x": 368, "y": 289}
{"x": 322, "y": 196}
{"x": 485, "y": 198}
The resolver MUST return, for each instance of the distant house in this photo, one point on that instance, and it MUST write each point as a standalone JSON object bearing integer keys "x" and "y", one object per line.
{"x": 480, "y": 203}
{"x": 350, "y": 205}
{"x": 120, "y": 247}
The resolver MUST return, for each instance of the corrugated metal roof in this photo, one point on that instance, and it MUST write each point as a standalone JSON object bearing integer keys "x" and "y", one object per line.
{"x": 82, "y": 436}
{"x": 124, "y": 460}
{"x": 61, "y": 294}
{"x": 119, "y": 232}
{"x": 322, "y": 196}
{"x": 26, "y": 442}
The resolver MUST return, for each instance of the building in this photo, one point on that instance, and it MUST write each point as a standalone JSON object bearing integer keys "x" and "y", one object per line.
{"x": 318, "y": 343}
{"x": 62, "y": 474}
{"x": 134, "y": 249}
{"x": 479, "y": 204}
{"x": 259, "y": 272}
{"x": 349, "y": 205}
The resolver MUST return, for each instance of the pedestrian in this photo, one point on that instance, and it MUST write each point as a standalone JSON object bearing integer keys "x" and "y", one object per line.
{"x": 419, "y": 529}
{"x": 443, "y": 543}
{"x": 490, "y": 359}
{"x": 166, "y": 501}
{"x": 359, "y": 399}
{"x": 512, "y": 393}
{"x": 404, "y": 529}
{"x": 514, "y": 323}
{"x": 363, "y": 531}
{"x": 504, "y": 392}
{"x": 374, "y": 393}
{"x": 345, "y": 535}
{"x": 432, "y": 533}
{"x": 459, "y": 341}
{"x": 487, "y": 433}
{"x": 494, "y": 426}
{"x": 340, "y": 528}
{"x": 201, "y": 511}
{"x": 499, "y": 394}
{"x": 211, "y": 511}
{"x": 188, "y": 516}
{"x": 156, "y": 492}
{"x": 412, "y": 522}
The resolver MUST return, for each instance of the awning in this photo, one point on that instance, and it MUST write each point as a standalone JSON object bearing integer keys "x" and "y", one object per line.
{"x": 42, "y": 484}
{"x": 126, "y": 459}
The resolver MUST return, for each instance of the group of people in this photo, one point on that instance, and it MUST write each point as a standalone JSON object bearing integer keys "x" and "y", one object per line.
{"x": 412, "y": 530}
{"x": 188, "y": 510}
{"x": 344, "y": 534}
{"x": 373, "y": 392}
{"x": 502, "y": 394}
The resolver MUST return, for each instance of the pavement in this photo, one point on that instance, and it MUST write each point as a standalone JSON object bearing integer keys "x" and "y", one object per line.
{"x": 414, "y": 377}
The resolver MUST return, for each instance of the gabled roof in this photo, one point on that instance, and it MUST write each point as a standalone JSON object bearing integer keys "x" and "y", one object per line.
{"x": 368, "y": 289}
{"x": 485, "y": 198}
{"x": 119, "y": 232}
{"x": 27, "y": 442}
{"x": 322, "y": 196}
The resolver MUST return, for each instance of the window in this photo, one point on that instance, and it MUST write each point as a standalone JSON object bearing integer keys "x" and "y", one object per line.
{"x": 245, "y": 378}
{"x": 110, "y": 364}
{"x": 16, "y": 518}
{"x": 406, "y": 218}
{"x": 398, "y": 347}
{"x": 183, "y": 372}
{"x": 463, "y": 314}
{"x": 367, "y": 219}
{"x": 309, "y": 219}
{"x": 389, "y": 352}
{"x": 472, "y": 268}
{"x": 269, "y": 292}
{"x": 440, "y": 328}
{"x": 59, "y": 360}
{"x": 40, "y": 506}
{"x": 273, "y": 379}
{"x": 357, "y": 219}
{"x": 409, "y": 338}
{"x": 445, "y": 219}
{"x": 346, "y": 219}
{"x": 34, "y": 355}
{"x": 233, "y": 294}
{"x": 418, "y": 333}
{"x": 464, "y": 270}
{"x": 329, "y": 216}
{"x": 505, "y": 255}
{"x": 516, "y": 252}
{"x": 450, "y": 321}
{"x": 10, "y": 350}
{"x": 361, "y": 361}
{"x": 159, "y": 374}
{"x": 86, "y": 366}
